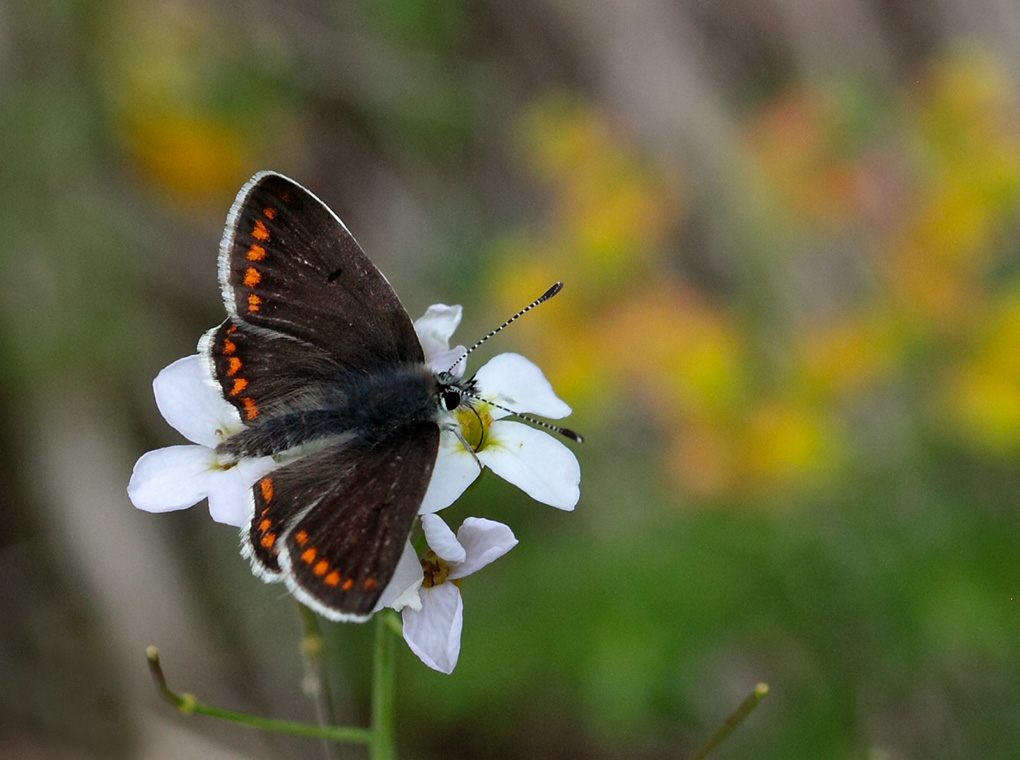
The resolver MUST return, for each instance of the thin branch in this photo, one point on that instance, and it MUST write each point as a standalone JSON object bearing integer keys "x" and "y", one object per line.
{"x": 316, "y": 682}
{"x": 190, "y": 705}
{"x": 735, "y": 719}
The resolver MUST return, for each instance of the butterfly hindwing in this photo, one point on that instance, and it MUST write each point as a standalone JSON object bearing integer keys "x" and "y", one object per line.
{"x": 261, "y": 540}
{"x": 288, "y": 264}
{"x": 334, "y": 523}
{"x": 259, "y": 372}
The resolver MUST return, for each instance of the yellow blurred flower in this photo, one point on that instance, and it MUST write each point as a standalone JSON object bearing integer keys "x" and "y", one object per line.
{"x": 609, "y": 209}
{"x": 967, "y": 109}
{"x": 681, "y": 351}
{"x": 969, "y": 159}
{"x": 985, "y": 407}
{"x": 982, "y": 394}
{"x": 846, "y": 355}
{"x": 786, "y": 443}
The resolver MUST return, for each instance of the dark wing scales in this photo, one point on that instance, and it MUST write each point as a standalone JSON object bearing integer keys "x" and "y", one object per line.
{"x": 260, "y": 542}
{"x": 288, "y": 264}
{"x": 260, "y": 372}
{"x": 338, "y": 554}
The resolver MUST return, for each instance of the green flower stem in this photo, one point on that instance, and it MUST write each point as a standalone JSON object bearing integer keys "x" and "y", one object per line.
{"x": 745, "y": 709}
{"x": 190, "y": 705}
{"x": 316, "y": 682}
{"x": 382, "y": 746}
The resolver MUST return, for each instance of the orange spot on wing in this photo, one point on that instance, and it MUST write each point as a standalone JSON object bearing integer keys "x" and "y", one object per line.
{"x": 260, "y": 231}
{"x": 256, "y": 252}
{"x": 321, "y": 567}
{"x": 231, "y": 329}
{"x": 251, "y": 409}
{"x": 268, "y": 540}
{"x": 239, "y": 385}
{"x": 254, "y": 302}
{"x": 333, "y": 579}
{"x": 270, "y": 212}
{"x": 266, "y": 486}
{"x": 309, "y": 554}
{"x": 252, "y": 277}
{"x": 229, "y": 347}
{"x": 233, "y": 366}
{"x": 265, "y": 525}
{"x": 369, "y": 583}
{"x": 348, "y": 584}
{"x": 301, "y": 537}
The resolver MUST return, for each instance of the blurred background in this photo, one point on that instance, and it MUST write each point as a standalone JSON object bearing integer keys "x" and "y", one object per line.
{"x": 790, "y": 333}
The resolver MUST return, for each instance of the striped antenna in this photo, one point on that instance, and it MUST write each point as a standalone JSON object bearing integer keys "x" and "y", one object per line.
{"x": 541, "y": 299}
{"x": 565, "y": 432}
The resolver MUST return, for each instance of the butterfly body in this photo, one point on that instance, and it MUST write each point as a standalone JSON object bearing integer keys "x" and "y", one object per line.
{"x": 321, "y": 360}
{"x": 361, "y": 406}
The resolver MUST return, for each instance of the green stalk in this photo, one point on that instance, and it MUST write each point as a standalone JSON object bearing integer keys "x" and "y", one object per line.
{"x": 190, "y": 705}
{"x": 316, "y": 679}
{"x": 746, "y": 708}
{"x": 382, "y": 746}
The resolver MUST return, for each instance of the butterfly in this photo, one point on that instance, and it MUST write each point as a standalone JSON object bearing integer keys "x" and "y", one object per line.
{"x": 318, "y": 356}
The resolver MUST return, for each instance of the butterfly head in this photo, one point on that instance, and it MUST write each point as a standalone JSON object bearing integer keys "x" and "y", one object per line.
{"x": 454, "y": 392}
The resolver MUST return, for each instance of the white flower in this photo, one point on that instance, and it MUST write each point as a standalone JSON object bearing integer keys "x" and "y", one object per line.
{"x": 402, "y": 590}
{"x": 177, "y": 477}
{"x": 433, "y": 631}
{"x": 531, "y": 459}
{"x": 434, "y": 329}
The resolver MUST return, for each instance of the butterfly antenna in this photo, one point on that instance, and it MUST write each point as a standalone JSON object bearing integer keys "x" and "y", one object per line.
{"x": 541, "y": 299}
{"x": 565, "y": 432}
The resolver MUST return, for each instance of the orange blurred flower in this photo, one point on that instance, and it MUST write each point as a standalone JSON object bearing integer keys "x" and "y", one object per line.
{"x": 191, "y": 124}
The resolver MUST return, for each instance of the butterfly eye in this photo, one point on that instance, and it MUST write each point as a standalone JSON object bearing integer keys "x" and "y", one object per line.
{"x": 451, "y": 399}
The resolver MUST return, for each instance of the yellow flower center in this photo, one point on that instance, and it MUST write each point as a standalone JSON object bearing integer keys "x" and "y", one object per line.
{"x": 474, "y": 424}
{"x": 436, "y": 570}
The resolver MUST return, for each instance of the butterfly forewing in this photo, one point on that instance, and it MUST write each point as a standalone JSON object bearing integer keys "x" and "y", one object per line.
{"x": 335, "y": 522}
{"x": 288, "y": 264}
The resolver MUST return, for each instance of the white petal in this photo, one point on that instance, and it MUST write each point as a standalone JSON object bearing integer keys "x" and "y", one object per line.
{"x": 533, "y": 461}
{"x": 176, "y": 477}
{"x": 434, "y": 633}
{"x": 192, "y": 406}
{"x": 454, "y": 471}
{"x": 230, "y": 490}
{"x": 250, "y": 470}
{"x": 441, "y": 539}
{"x": 402, "y": 590}
{"x": 436, "y": 327}
{"x": 444, "y": 361}
{"x": 514, "y": 382}
{"x": 484, "y": 541}
{"x": 229, "y": 499}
